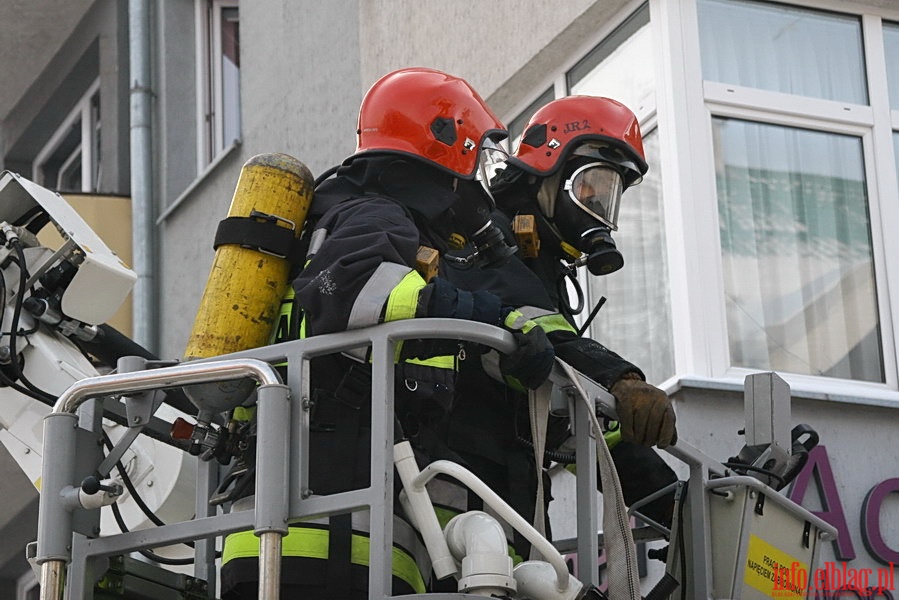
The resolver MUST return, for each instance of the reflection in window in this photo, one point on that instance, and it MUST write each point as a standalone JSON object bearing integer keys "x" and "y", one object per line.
{"x": 796, "y": 246}
{"x": 230, "y": 66}
{"x": 891, "y": 49}
{"x": 220, "y": 86}
{"x": 621, "y": 67}
{"x": 636, "y": 319}
{"x": 782, "y": 49}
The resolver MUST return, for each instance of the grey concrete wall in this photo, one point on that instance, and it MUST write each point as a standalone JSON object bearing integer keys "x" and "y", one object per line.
{"x": 483, "y": 43}
{"x": 504, "y": 49}
{"x": 29, "y": 40}
{"x": 304, "y": 69}
{"x": 18, "y": 521}
{"x": 300, "y": 92}
{"x": 96, "y": 44}
{"x": 174, "y": 99}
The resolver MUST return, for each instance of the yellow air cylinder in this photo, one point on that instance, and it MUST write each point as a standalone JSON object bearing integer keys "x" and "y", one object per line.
{"x": 242, "y": 299}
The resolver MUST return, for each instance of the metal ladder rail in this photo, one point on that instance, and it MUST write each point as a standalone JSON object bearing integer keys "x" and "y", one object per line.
{"x": 378, "y": 497}
{"x": 59, "y": 545}
{"x": 57, "y": 541}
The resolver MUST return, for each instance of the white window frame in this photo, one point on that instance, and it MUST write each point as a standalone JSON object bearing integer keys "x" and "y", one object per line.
{"x": 701, "y": 344}
{"x": 683, "y": 115}
{"x": 210, "y": 124}
{"x": 90, "y": 128}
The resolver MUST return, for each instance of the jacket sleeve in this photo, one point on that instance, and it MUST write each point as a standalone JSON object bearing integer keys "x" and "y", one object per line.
{"x": 366, "y": 256}
{"x": 362, "y": 273}
{"x": 591, "y": 358}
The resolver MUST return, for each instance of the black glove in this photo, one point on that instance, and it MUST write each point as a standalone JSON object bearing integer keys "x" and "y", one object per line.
{"x": 645, "y": 412}
{"x": 532, "y": 361}
{"x": 443, "y": 299}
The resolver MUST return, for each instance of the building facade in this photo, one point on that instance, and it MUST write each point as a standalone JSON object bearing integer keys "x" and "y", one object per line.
{"x": 762, "y": 238}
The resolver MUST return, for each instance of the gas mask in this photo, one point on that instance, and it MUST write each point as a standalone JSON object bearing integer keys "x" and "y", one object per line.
{"x": 471, "y": 212}
{"x": 585, "y": 212}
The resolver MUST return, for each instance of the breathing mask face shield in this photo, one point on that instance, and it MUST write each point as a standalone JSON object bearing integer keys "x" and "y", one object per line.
{"x": 491, "y": 161}
{"x": 596, "y": 189}
{"x": 586, "y": 212}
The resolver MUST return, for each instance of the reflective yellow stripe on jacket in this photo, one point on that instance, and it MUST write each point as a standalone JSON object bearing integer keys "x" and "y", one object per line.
{"x": 305, "y": 542}
{"x": 401, "y": 303}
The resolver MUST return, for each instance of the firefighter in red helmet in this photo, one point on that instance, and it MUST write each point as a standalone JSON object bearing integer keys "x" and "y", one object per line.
{"x": 576, "y": 157}
{"x": 425, "y": 138}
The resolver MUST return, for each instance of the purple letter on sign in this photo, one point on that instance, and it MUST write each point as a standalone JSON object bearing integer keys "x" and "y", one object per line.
{"x": 871, "y": 535}
{"x": 819, "y": 465}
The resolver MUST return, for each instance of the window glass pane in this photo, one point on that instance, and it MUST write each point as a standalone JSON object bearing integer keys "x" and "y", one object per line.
{"x": 69, "y": 178}
{"x": 783, "y": 49}
{"x": 796, "y": 248}
{"x": 230, "y": 52}
{"x": 636, "y": 319}
{"x": 891, "y": 48}
{"x": 61, "y": 170}
{"x": 621, "y": 67}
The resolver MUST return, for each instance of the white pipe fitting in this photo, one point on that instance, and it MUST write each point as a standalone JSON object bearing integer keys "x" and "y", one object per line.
{"x": 478, "y": 540}
{"x": 504, "y": 511}
{"x": 537, "y": 580}
{"x": 418, "y": 505}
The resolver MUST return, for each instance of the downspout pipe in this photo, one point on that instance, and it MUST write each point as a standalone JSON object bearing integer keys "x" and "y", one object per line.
{"x": 143, "y": 248}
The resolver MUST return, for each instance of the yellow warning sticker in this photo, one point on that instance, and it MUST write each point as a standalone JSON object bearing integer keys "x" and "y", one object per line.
{"x": 773, "y": 572}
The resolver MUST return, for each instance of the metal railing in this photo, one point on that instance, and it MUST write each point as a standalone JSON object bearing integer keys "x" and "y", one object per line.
{"x": 69, "y": 549}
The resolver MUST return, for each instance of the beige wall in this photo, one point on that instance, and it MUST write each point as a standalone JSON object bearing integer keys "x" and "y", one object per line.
{"x": 110, "y": 218}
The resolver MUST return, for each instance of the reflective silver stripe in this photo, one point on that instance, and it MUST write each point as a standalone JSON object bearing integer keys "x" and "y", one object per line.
{"x": 316, "y": 241}
{"x": 518, "y": 322}
{"x": 532, "y": 312}
{"x": 358, "y": 354}
{"x": 403, "y": 533}
{"x": 490, "y": 362}
{"x": 448, "y": 494}
{"x": 370, "y": 301}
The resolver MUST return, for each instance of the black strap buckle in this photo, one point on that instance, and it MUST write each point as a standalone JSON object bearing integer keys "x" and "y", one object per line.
{"x": 262, "y": 232}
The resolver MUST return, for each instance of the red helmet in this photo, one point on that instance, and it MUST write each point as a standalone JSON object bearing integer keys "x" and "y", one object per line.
{"x": 583, "y": 125}
{"x": 430, "y": 115}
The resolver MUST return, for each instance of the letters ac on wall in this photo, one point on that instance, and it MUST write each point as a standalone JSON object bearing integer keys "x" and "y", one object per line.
{"x": 818, "y": 469}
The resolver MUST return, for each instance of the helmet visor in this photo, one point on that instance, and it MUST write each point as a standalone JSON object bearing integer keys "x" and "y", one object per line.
{"x": 596, "y": 188}
{"x": 611, "y": 155}
{"x": 491, "y": 161}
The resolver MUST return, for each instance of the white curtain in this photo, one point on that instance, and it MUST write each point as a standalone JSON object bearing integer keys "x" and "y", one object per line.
{"x": 636, "y": 319}
{"x": 891, "y": 49}
{"x": 783, "y": 49}
{"x": 796, "y": 246}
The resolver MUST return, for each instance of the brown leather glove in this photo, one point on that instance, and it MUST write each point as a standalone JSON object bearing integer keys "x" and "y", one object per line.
{"x": 644, "y": 412}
